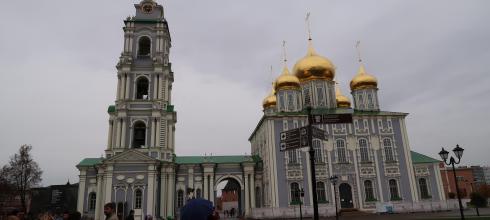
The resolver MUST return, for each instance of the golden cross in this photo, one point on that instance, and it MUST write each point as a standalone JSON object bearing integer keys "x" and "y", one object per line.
{"x": 308, "y": 25}
{"x": 358, "y": 47}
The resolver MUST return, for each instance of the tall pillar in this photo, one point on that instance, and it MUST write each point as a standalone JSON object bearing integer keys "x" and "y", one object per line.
{"x": 128, "y": 79}
{"x": 123, "y": 133}
{"x": 380, "y": 188}
{"x": 155, "y": 87}
{"x": 152, "y": 135}
{"x": 356, "y": 168}
{"x": 98, "y": 200}
{"x": 211, "y": 188}
{"x": 171, "y": 190}
{"x": 118, "y": 133}
{"x": 252, "y": 190}
{"x": 163, "y": 192}
{"x": 206, "y": 187}
{"x": 119, "y": 84}
{"x": 157, "y": 133}
{"x": 247, "y": 195}
{"x": 150, "y": 210}
{"x": 108, "y": 185}
{"x": 109, "y": 138}
{"x": 81, "y": 190}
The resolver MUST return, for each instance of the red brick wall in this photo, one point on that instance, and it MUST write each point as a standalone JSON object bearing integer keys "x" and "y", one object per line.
{"x": 465, "y": 181}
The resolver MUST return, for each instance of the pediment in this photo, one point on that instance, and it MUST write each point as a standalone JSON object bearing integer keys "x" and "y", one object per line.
{"x": 131, "y": 156}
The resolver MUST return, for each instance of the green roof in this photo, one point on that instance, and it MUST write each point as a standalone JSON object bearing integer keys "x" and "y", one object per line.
{"x": 111, "y": 109}
{"x": 89, "y": 162}
{"x": 420, "y": 158}
{"x": 170, "y": 108}
{"x": 213, "y": 159}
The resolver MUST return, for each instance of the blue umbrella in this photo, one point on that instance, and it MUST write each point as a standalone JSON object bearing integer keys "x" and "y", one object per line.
{"x": 196, "y": 209}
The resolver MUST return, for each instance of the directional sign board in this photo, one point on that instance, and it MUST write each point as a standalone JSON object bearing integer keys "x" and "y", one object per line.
{"x": 298, "y": 138}
{"x": 332, "y": 118}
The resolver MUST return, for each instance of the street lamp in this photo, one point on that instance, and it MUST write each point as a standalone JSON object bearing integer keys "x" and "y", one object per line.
{"x": 458, "y": 151}
{"x": 333, "y": 180}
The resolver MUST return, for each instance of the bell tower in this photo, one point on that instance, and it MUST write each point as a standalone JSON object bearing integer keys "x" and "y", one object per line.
{"x": 143, "y": 117}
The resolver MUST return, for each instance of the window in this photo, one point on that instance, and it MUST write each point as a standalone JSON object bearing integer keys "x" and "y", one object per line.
{"x": 144, "y": 46}
{"x": 281, "y": 102}
{"x": 317, "y": 145}
{"x": 388, "y": 148}
{"x": 293, "y": 157}
{"x": 370, "y": 100}
{"x": 198, "y": 193}
{"x": 138, "y": 197}
{"x": 290, "y": 101}
{"x": 180, "y": 198}
{"x": 92, "y": 198}
{"x": 369, "y": 191}
{"x": 319, "y": 91}
{"x": 295, "y": 192}
{"x": 142, "y": 88}
{"x": 139, "y": 134}
{"x": 424, "y": 189}
{"x": 363, "y": 149}
{"x": 341, "y": 154}
{"x": 394, "y": 190}
{"x": 306, "y": 94}
{"x": 320, "y": 191}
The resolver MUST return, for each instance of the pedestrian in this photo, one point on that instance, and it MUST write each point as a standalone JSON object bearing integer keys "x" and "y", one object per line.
{"x": 75, "y": 216}
{"x": 131, "y": 215}
{"x": 109, "y": 211}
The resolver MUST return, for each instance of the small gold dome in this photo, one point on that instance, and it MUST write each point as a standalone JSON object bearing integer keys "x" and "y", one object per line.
{"x": 270, "y": 100}
{"x": 313, "y": 66}
{"x": 286, "y": 81}
{"x": 342, "y": 101}
{"x": 363, "y": 80}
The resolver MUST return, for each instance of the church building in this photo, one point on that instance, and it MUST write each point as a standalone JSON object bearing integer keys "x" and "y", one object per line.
{"x": 141, "y": 172}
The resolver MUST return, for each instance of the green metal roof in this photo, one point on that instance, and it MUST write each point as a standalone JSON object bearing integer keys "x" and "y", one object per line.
{"x": 213, "y": 159}
{"x": 111, "y": 109}
{"x": 89, "y": 162}
{"x": 420, "y": 158}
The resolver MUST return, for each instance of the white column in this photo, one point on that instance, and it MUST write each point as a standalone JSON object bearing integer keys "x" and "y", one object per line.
{"x": 310, "y": 184}
{"x": 252, "y": 191}
{"x": 123, "y": 133}
{"x": 118, "y": 133}
{"x": 163, "y": 193}
{"x": 108, "y": 185}
{"x": 157, "y": 133}
{"x": 171, "y": 200}
{"x": 247, "y": 197}
{"x": 155, "y": 87}
{"x": 378, "y": 171}
{"x": 118, "y": 94}
{"x": 81, "y": 190}
{"x": 109, "y": 138}
{"x": 151, "y": 190}
{"x": 211, "y": 188}
{"x": 128, "y": 80}
{"x": 440, "y": 187}
{"x": 160, "y": 86}
{"x": 206, "y": 186}
{"x": 332, "y": 188}
{"x": 152, "y": 135}
{"x": 98, "y": 202}
{"x": 357, "y": 180}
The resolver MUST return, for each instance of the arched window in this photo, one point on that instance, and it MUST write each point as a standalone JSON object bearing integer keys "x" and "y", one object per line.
{"x": 363, "y": 149}
{"x": 198, "y": 193}
{"x": 295, "y": 197}
{"x": 341, "y": 154}
{"x": 180, "y": 198}
{"x": 320, "y": 191}
{"x": 424, "y": 188}
{"x": 290, "y": 101}
{"x": 92, "y": 198}
{"x": 144, "y": 46}
{"x": 293, "y": 157}
{"x": 139, "y": 134}
{"x": 388, "y": 148}
{"x": 142, "y": 88}
{"x": 138, "y": 198}
{"x": 317, "y": 145}
{"x": 369, "y": 190}
{"x": 394, "y": 190}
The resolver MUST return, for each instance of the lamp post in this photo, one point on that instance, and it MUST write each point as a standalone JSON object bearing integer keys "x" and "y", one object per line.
{"x": 333, "y": 180}
{"x": 302, "y": 194}
{"x": 458, "y": 151}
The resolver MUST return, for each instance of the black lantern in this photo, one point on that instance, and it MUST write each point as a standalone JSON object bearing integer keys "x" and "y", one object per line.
{"x": 444, "y": 154}
{"x": 458, "y": 151}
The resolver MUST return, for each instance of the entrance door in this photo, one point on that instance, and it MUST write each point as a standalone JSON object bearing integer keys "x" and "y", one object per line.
{"x": 345, "y": 196}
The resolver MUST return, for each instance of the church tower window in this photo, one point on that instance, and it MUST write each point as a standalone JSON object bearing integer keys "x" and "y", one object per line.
{"x": 293, "y": 157}
{"x": 139, "y": 134}
{"x": 317, "y": 145}
{"x": 198, "y": 193}
{"x": 294, "y": 192}
{"x": 363, "y": 149}
{"x": 180, "y": 198}
{"x": 144, "y": 46}
{"x": 424, "y": 189}
{"x": 290, "y": 101}
{"x": 388, "y": 148}
{"x": 138, "y": 197}
{"x": 394, "y": 190}
{"x": 341, "y": 154}
{"x": 368, "y": 190}
{"x": 142, "y": 88}
{"x": 320, "y": 191}
{"x": 92, "y": 198}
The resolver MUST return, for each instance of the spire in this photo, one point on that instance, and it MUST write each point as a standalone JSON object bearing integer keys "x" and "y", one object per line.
{"x": 285, "y": 69}
{"x": 311, "y": 50}
{"x": 361, "y": 65}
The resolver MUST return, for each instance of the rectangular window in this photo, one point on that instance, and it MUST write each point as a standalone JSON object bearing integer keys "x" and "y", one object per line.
{"x": 320, "y": 95}
{"x": 290, "y": 101}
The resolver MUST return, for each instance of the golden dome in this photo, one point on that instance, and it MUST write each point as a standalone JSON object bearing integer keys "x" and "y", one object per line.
{"x": 314, "y": 66}
{"x": 363, "y": 80}
{"x": 270, "y": 100}
{"x": 286, "y": 80}
{"x": 342, "y": 101}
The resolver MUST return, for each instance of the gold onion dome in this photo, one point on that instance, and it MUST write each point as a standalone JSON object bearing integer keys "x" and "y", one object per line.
{"x": 270, "y": 100}
{"x": 286, "y": 80}
{"x": 363, "y": 80}
{"x": 313, "y": 66}
{"x": 342, "y": 100}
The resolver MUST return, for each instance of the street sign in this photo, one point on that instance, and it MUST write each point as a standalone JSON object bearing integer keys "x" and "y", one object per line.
{"x": 298, "y": 138}
{"x": 332, "y": 119}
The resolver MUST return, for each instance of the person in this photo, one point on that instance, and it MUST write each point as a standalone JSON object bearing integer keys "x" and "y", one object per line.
{"x": 131, "y": 215}
{"x": 66, "y": 215}
{"x": 13, "y": 215}
{"x": 75, "y": 216}
{"x": 109, "y": 211}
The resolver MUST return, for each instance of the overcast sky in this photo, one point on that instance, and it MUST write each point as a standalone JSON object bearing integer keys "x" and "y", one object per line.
{"x": 58, "y": 57}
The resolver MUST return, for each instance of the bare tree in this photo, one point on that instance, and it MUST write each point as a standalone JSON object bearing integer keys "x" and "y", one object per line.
{"x": 22, "y": 172}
